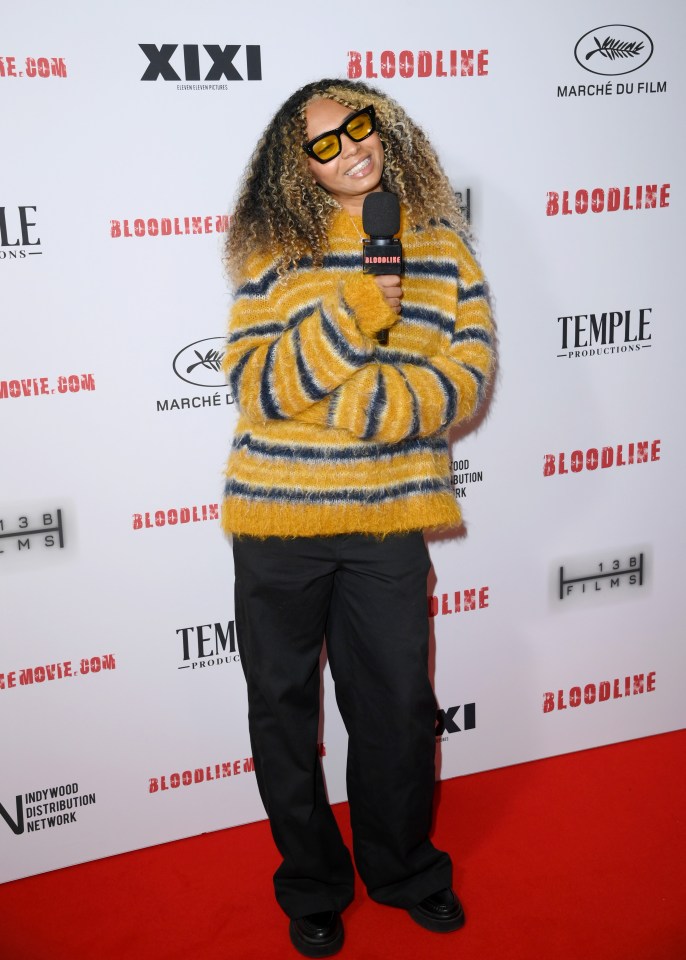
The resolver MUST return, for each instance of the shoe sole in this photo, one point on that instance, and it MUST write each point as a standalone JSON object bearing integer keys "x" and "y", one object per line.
{"x": 437, "y": 924}
{"x": 311, "y": 949}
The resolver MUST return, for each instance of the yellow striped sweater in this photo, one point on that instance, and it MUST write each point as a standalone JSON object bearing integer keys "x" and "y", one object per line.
{"x": 336, "y": 433}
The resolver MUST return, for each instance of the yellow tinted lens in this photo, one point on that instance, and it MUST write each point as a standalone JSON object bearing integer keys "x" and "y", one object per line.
{"x": 359, "y": 127}
{"x": 327, "y": 147}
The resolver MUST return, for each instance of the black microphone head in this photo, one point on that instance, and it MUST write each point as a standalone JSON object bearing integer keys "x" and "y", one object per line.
{"x": 381, "y": 214}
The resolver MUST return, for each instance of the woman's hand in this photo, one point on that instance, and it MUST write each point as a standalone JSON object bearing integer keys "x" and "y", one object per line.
{"x": 391, "y": 288}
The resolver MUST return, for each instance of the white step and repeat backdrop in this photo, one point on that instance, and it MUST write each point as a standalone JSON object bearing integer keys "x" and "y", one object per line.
{"x": 557, "y": 612}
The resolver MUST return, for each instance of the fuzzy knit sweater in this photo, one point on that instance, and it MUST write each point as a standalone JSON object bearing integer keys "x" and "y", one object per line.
{"x": 338, "y": 434}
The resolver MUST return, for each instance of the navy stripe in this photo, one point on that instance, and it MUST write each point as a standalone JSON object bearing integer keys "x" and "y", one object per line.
{"x": 312, "y": 496}
{"x": 257, "y": 330}
{"x": 271, "y": 328}
{"x": 312, "y": 389}
{"x": 236, "y": 373}
{"x": 415, "y": 425}
{"x": 451, "y": 395}
{"x": 376, "y": 406}
{"x": 472, "y": 292}
{"x": 435, "y": 268}
{"x": 369, "y": 451}
{"x": 473, "y": 333}
{"x": 266, "y": 399}
{"x": 480, "y": 378}
{"x": 259, "y": 287}
{"x": 343, "y": 347}
{"x": 344, "y": 261}
{"x": 428, "y": 317}
{"x": 386, "y": 355}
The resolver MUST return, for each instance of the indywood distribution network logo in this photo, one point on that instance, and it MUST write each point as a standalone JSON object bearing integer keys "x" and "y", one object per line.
{"x": 45, "y": 808}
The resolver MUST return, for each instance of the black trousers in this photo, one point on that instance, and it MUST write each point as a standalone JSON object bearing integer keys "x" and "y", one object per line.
{"x": 368, "y": 595}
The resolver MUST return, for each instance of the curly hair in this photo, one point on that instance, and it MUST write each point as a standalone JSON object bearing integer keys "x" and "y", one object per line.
{"x": 281, "y": 209}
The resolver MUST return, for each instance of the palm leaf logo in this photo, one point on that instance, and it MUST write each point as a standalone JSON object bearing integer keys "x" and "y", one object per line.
{"x": 211, "y": 361}
{"x": 613, "y": 49}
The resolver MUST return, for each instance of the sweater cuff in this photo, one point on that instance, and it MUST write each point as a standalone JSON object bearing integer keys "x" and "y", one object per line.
{"x": 368, "y": 304}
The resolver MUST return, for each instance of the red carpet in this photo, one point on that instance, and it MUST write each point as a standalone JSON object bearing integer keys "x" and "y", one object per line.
{"x": 581, "y": 856}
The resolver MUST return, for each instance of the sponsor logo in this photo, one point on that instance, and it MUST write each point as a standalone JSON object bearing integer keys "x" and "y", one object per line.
{"x": 28, "y": 676}
{"x": 170, "y": 226}
{"x": 582, "y": 579}
{"x": 592, "y": 693}
{"x": 452, "y": 720}
{"x": 200, "y": 363}
{"x": 463, "y": 476}
{"x": 613, "y": 49}
{"x": 604, "y": 334}
{"x": 206, "y": 774}
{"x": 173, "y": 516}
{"x": 43, "y": 386}
{"x": 210, "y": 63}
{"x": 408, "y": 64}
{"x": 621, "y": 455}
{"x": 17, "y": 236}
{"x": 464, "y": 198}
{"x": 45, "y": 68}
{"x": 609, "y": 89}
{"x": 35, "y": 531}
{"x": 208, "y": 645}
{"x": 46, "y": 808}
{"x": 607, "y": 199}
{"x": 459, "y": 601}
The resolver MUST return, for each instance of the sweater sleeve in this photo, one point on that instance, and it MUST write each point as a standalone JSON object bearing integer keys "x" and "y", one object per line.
{"x": 288, "y": 351}
{"x": 415, "y": 396}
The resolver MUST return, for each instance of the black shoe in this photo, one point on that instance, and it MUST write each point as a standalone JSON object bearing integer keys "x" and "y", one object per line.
{"x": 317, "y": 934}
{"x": 441, "y": 912}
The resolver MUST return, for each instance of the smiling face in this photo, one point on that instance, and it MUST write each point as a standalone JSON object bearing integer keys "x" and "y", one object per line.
{"x": 357, "y": 169}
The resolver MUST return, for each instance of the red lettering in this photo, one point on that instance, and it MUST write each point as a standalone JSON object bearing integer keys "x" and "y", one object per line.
{"x": 354, "y": 65}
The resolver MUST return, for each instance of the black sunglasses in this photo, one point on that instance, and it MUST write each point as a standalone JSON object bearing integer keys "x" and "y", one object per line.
{"x": 357, "y": 127}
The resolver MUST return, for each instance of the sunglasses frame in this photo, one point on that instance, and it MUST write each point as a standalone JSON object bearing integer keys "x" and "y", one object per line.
{"x": 309, "y": 146}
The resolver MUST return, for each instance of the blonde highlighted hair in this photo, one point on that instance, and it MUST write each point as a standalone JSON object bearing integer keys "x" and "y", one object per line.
{"x": 282, "y": 210}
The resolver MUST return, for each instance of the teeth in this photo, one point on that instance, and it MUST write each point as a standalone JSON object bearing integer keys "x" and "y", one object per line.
{"x": 358, "y": 167}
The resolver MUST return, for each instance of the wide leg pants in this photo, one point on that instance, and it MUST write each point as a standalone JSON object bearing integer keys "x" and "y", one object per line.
{"x": 368, "y": 595}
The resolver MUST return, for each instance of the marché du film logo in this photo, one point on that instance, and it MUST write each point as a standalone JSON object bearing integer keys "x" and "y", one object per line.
{"x": 613, "y": 49}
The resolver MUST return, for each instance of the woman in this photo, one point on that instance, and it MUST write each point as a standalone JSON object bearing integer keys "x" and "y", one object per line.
{"x": 339, "y": 462}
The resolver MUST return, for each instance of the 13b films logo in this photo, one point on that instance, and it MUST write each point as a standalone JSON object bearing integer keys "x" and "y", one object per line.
{"x": 220, "y": 61}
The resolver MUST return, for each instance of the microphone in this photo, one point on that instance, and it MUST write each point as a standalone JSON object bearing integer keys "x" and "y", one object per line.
{"x": 382, "y": 253}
